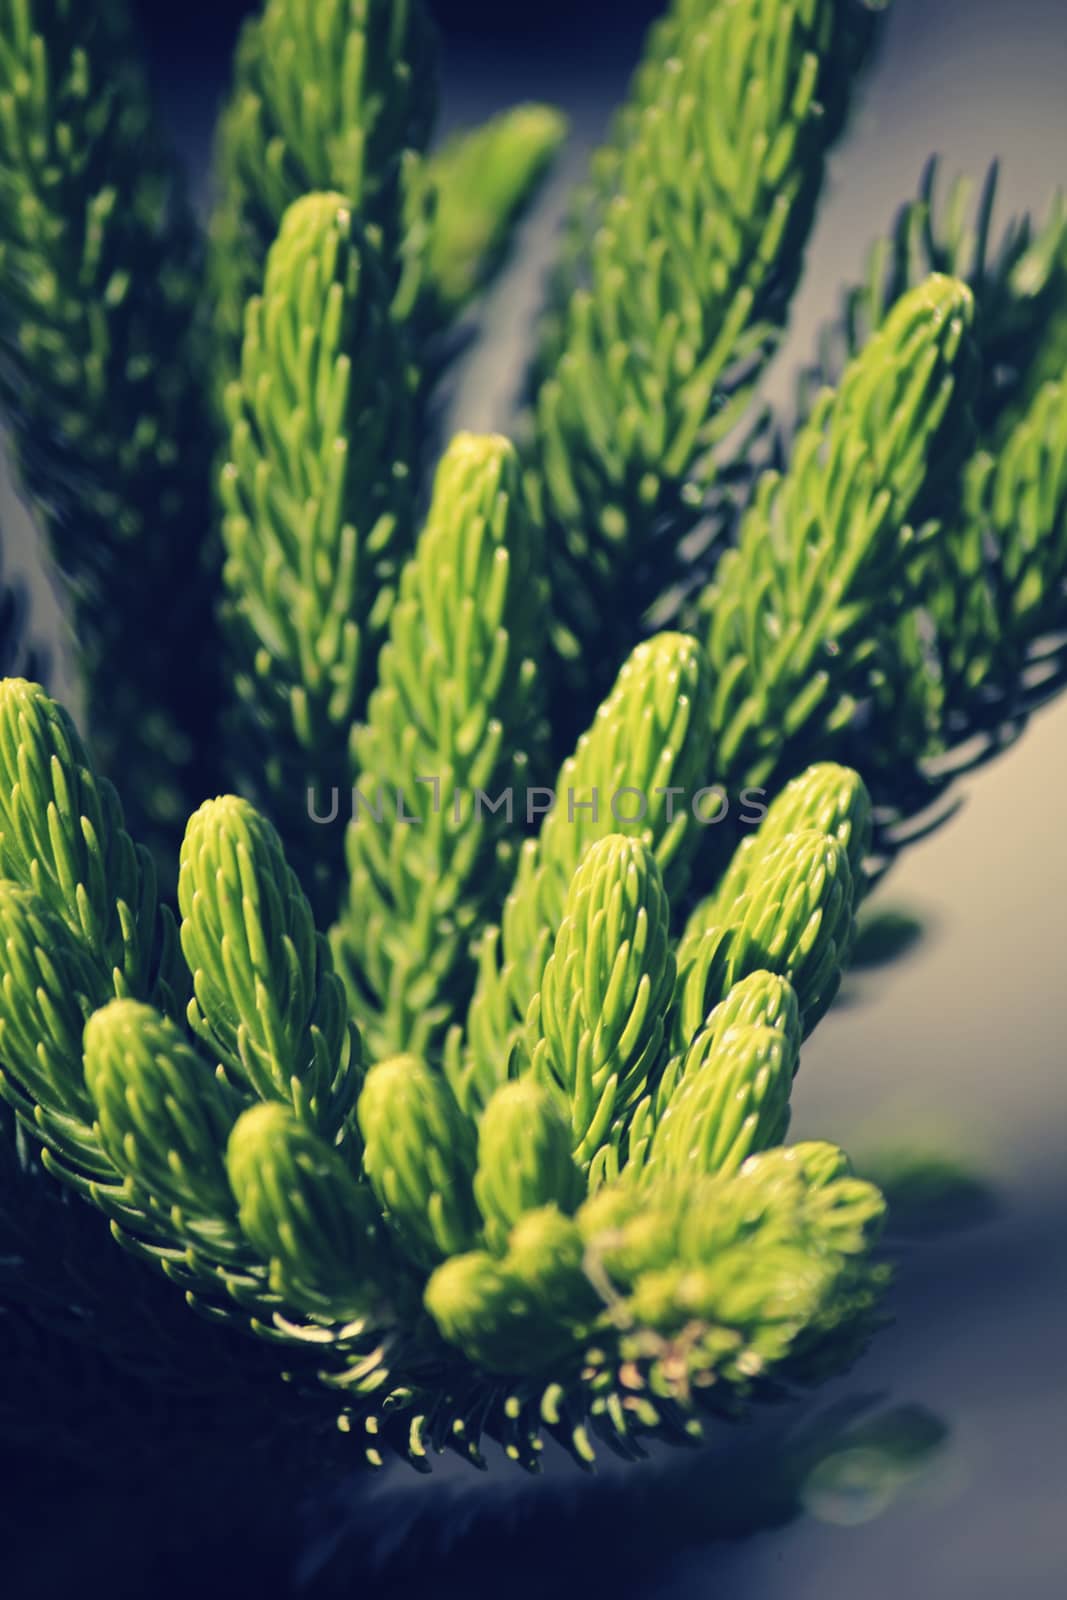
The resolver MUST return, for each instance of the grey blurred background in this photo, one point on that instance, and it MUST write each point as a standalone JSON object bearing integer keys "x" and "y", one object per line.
{"x": 958, "y": 1048}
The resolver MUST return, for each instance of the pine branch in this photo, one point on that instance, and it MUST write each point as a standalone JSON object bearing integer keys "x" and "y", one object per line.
{"x": 99, "y": 363}
{"x": 1018, "y": 279}
{"x": 785, "y": 906}
{"x": 524, "y": 1159}
{"x": 217, "y": 1196}
{"x": 63, "y": 838}
{"x": 306, "y": 1214}
{"x": 674, "y": 292}
{"x": 822, "y": 562}
{"x": 525, "y": 1313}
{"x": 731, "y": 1100}
{"x": 341, "y": 97}
{"x": 337, "y": 97}
{"x": 453, "y": 731}
{"x": 647, "y": 745}
{"x": 163, "y": 1121}
{"x": 762, "y": 1000}
{"x": 964, "y": 669}
{"x": 318, "y": 499}
{"x": 796, "y": 920}
{"x": 419, "y": 1156}
{"x": 964, "y": 665}
{"x": 714, "y": 1279}
{"x": 597, "y": 1027}
{"x": 267, "y": 1003}
{"x": 480, "y": 183}
{"x": 141, "y": 1130}
{"x": 50, "y": 987}
{"x": 727, "y": 1276}
{"x": 1018, "y": 501}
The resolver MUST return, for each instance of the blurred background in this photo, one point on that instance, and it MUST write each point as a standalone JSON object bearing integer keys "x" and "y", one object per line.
{"x": 939, "y": 1466}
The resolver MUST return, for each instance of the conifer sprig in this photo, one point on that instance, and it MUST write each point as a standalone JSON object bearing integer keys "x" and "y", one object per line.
{"x": 647, "y": 746}
{"x": 163, "y": 1120}
{"x": 479, "y": 183}
{"x": 821, "y": 565}
{"x": 965, "y": 663}
{"x": 318, "y": 496}
{"x": 308, "y": 1217}
{"x": 100, "y": 361}
{"x": 596, "y": 1029}
{"x": 49, "y": 988}
{"x": 63, "y": 837}
{"x": 267, "y": 1001}
{"x": 524, "y": 1159}
{"x": 342, "y": 96}
{"x": 452, "y": 740}
{"x": 419, "y": 1155}
{"x": 680, "y": 265}
{"x": 335, "y": 97}
{"x": 1017, "y": 276}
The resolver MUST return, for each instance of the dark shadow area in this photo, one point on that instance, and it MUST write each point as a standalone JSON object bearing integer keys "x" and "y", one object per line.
{"x": 842, "y": 1463}
{"x": 241, "y": 1494}
{"x": 886, "y": 934}
{"x": 621, "y": 1530}
{"x": 929, "y": 1192}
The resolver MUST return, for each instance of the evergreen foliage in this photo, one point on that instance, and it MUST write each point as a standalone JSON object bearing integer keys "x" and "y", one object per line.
{"x": 101, "y": 355}
{"x": 470, "y": 1107}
